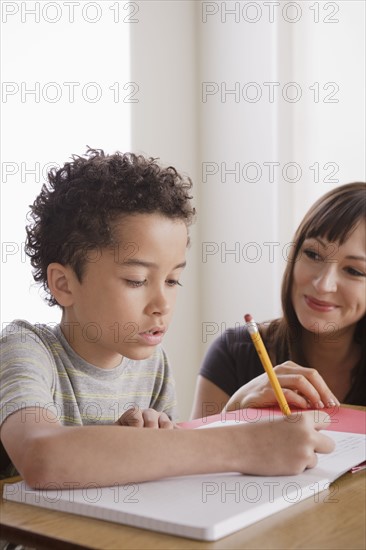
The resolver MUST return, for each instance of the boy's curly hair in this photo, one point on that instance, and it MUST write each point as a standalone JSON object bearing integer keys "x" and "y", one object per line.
{"x": 75, "y": 210}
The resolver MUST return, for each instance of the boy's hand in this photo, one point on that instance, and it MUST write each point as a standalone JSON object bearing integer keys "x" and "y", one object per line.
{"x": 282, "y": 446}
{"x": 303, "y": 388}
{"x": 147, "y": 418}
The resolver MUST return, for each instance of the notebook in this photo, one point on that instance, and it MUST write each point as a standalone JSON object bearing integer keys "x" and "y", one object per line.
{"x": 205, "y": 507}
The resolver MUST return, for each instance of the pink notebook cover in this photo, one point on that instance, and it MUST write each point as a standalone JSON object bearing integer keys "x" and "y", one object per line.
{"x": 342, "y": 419}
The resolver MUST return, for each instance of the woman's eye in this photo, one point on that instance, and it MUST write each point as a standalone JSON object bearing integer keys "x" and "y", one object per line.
{"x": 312, "y": 255}
{"x": 354, "y": 272}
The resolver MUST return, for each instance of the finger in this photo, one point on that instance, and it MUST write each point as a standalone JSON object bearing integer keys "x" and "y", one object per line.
{"x": 324, "y": 444}
{"x": 132, "y": 417}
{"x": 150, "y": 418}
{"x": 165, "y": 423}
{"x": 312, "y": 461}
{"x": 319, "y": 393}
{"x": 298, "y": 382}
{"x": 267, "y": 398}
{"x": 326, "y": 395}
{"x": 294, "y": 377}
{"x": 295, "y": 399}
{"x": 321, "y": 421}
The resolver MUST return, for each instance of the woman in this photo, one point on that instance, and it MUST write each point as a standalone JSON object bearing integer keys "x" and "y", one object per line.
{"x": 319, "y": 345}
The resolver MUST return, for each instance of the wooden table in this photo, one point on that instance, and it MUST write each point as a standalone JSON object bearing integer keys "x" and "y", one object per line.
{"x": 333, "y": 519}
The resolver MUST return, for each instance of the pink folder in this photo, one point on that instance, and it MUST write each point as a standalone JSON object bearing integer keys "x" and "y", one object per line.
{"x": 342, "y": 419}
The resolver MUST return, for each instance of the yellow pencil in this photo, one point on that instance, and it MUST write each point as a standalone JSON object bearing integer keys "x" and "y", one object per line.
{"x": 266, "y": 362}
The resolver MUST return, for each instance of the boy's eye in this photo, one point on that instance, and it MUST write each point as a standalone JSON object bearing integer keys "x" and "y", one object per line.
{"x": 312, "y": 255}
{"x": 173, "y": 282}
{"x": 135, "y": 284}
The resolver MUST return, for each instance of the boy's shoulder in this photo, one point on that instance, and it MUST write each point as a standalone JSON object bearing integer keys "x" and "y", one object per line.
{"x": 34, "y": 338}
{"x": 20, "y": 338}
{"x": 21, "y": 329}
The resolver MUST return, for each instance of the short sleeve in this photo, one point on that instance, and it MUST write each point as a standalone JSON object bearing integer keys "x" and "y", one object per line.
{"x": 26, "y": 373}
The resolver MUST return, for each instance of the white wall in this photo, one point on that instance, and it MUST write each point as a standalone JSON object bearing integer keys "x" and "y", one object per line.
{"x": 238, "y": 210}
{"x": 42, "y": 49}
{"x": 331, "y": 130}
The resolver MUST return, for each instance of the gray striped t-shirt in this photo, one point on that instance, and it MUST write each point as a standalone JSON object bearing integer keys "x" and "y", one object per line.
{"x": 39, "y": 368}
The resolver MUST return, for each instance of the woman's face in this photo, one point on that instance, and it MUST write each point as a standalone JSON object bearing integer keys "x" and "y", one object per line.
{"x": 329, "y": 283}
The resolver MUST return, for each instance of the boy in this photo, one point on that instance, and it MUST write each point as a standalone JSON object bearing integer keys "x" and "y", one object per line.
{"x": 108, "y": 242}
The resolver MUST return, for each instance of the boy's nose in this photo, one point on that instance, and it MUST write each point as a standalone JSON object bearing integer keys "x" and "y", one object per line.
{"x": 159, "y": 305}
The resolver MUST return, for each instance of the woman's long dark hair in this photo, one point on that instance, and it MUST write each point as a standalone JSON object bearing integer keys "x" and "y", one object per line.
{"x": 334, "y": 216}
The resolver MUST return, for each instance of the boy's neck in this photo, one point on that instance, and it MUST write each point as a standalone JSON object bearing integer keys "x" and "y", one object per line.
{"x": 96, "y": 355}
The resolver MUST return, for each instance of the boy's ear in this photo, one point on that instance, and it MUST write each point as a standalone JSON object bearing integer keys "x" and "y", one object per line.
{"x": 60, "y": 280}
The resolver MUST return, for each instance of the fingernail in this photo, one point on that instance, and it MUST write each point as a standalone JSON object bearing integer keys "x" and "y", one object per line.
{"x": 331, "y": 403}
{"x": 320, "y": 405}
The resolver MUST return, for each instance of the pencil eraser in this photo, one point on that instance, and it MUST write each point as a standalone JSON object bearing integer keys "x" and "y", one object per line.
{"x": 248, "y": 318}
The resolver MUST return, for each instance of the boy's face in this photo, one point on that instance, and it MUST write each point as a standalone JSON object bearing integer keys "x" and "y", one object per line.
{"x": 125, "y": 301}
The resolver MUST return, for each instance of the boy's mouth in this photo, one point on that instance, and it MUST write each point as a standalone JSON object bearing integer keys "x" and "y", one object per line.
{"x": 154, "y": 336}
{"x": 155, "y": 330}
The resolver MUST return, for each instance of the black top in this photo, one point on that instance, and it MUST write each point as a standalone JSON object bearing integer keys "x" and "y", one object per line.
{"x": 232, "y": 360}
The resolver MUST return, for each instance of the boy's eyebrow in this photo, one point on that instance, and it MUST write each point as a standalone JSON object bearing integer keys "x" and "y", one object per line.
{"x": 144, "y": 263}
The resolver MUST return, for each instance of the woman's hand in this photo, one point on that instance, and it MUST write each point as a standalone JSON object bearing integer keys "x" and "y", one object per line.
{"x": 147, "y": 418}
{"x": 303, "y": 388}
